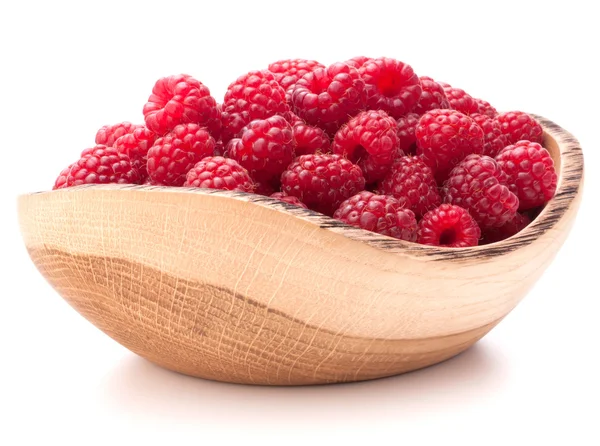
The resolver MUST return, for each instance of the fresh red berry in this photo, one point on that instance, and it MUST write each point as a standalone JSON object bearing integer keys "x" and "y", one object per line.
{"x": 493, "y": 138}
{"x": 445, "y": 137}
{"x": 310, "y": 139}
{"x": 173, "y": 155}
{"x": 266, "y": 148}
{"x": 478, "y": 185}
{"x": 433, "y": 96}
{"x": 327, "y": 97}
{"x": 530, "y": 171}
{"x": 508, "y": 229}
{"x": 61, "y": 181}
{"x": 136, "y": 145}
{"x": 460, "y": 100}
{"x": 99, "y": 165}
{"x": 357, "y": 61}
{"x": 485, "y": 108}
{"x": 382, "y": 214}
{"x": 411, "y": 181}
{"x": 322, "y": 182}
{"x": 216, "y": 172}
{"x": 406, "y": 132}
{"x": 293, "y": 118}
{"x": 180, "y": 99}
{"x": 371, "y": 135}
{"x": 518, "y": 126}
{"x": 254, "y": 95}
{"x": 108, "y": 134}
{"x": 289, "y": 199}
{"x": 449, "y": 226}
{"x": 288, "y": 71}
{"x": 390, "y": 85}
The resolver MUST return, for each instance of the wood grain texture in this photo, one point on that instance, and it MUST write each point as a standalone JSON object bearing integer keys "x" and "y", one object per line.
{"x": 246, "y": 289}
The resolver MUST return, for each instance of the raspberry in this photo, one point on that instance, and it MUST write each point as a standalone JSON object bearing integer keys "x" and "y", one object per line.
{"x": 378, "y": 213}
{"x": 216, "y": 172}
{"x": 61, "y": 181}
{"x": 310, "y": 139}
{"x": 478, "y": 185}
{"x": 266, "y": 148}
{"x": 173, "y": 155}
{"x": 288, "y": 199}
{"x": 449, "y": 226}
{"x": 180, "y": 99}
{"x": 287, "y": 72}
{"x": 322, "y": 182}
{"x": 485, "y": 108}
{"x": 493, "y": 138}
{"x": 370, "y": 135}
{"x": 508, "y": 229}
{"x": 293, "y": 118}
{"x": 99, "y": 165}
{"x": 390, "y": 85}
{"x": 406, "y": 132}
{"x": 263, "y": 188}
{"x": 445, "y": 137}
{"x": 108, "y": 134}
{"x": 358, "y": 61}
{"x": 326, "y": 97}
{"x": 411, "y": 181}
{"x": 460, "y": 100}
{"x": 517, "y": 126}
{"x": 136, "y": 145}
{"x": 219, "y": 149}
{"x": 432, "y": 97}
{"x": 254, "y": 95}
{"x": 530, "y": 171}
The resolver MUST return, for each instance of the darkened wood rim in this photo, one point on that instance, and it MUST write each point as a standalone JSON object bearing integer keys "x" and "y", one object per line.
{"x": 570, "y": 179}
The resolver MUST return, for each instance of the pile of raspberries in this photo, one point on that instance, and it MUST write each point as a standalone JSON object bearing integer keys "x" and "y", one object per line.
{"x": 365, "y": 141}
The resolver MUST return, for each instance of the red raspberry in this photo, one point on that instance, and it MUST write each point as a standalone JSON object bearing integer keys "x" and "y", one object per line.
{"x": 61, "y": 181}
{"x": 180, "y": 99}
{"x": 460, "y": 100}
{"x": 254, "y": 95}
{"x": 287, "y": 72}
{"x": 322, "y": 182}
{"x": 478, "y": 185}
{"x": 411, "y": 181}
{"x": 378, "y": 213}
{"x": 432, "y": 97}
{"x": 108, "y": 134}
{"x": 445, "y": 137}
{"x": 508, "y": 229}
{"x": 406, "y": 132}
{"x": 216, "y": 172}
{"x": 263, "y": 188}
{"x": 288, "y": 199}
{"x": 390, "y": 85}
{"x": 517, "y": 126}
{"x": 310, "y": 139}
{"x": 293, "y": 118}
{"x": 530, "y": 171}
{"x": 358, "y": 61}
{"x": 99, "y": 165}
{"x": 136, "y": 145}
{"x": 371, "y": 135}
{"x": 173, "y": 155}
{"x": 485, "y": 108}
{"x": 326, "y": 97}
{"x": 449, "y": 226}
{"x": 493, "y": 138}
{"x": 266, "y": 148}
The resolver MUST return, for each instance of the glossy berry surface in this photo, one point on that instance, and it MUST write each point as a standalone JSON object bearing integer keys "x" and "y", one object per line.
{"x": 449, "y": 226}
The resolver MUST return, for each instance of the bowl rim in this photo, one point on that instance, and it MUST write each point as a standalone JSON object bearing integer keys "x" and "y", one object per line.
{"x": 570, "y": 180}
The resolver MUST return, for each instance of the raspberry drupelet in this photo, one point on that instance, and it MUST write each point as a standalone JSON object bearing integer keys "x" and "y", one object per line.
{"x": 288, "y": 71}
{"x": 518, "y": 126}
{"x": 493, "y": 138}
{"x": 180, "y": 99}
{"x": 108, "y": 134}
{"x": 322, "y": 182}
{"x": 406, "y": 126}
{"x": 432, "y": 97}
{"x": 485, "y": 108}
{"x": 478, "y": 185}
{"x": 310, "y": 139}
{"x": 460, "y": 100}
{"x": 530, "y": 172}
{"x": 136, "y": 145}
{"x": 448, "y": 225}
{"x": 173, "y": 155}
{"x": 382, "y": 214}
{"x": 216, "y": 172}
{"x": 390, "y": 85}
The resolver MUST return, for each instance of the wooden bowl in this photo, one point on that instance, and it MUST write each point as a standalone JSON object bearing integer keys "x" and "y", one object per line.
{"x": 246, "y": 289}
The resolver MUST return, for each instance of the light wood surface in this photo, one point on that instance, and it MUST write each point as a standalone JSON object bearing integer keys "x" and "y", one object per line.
{"x": 246, "y": 289}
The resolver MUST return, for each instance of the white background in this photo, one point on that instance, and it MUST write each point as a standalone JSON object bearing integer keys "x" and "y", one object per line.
{"x": 67, "y": 69}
